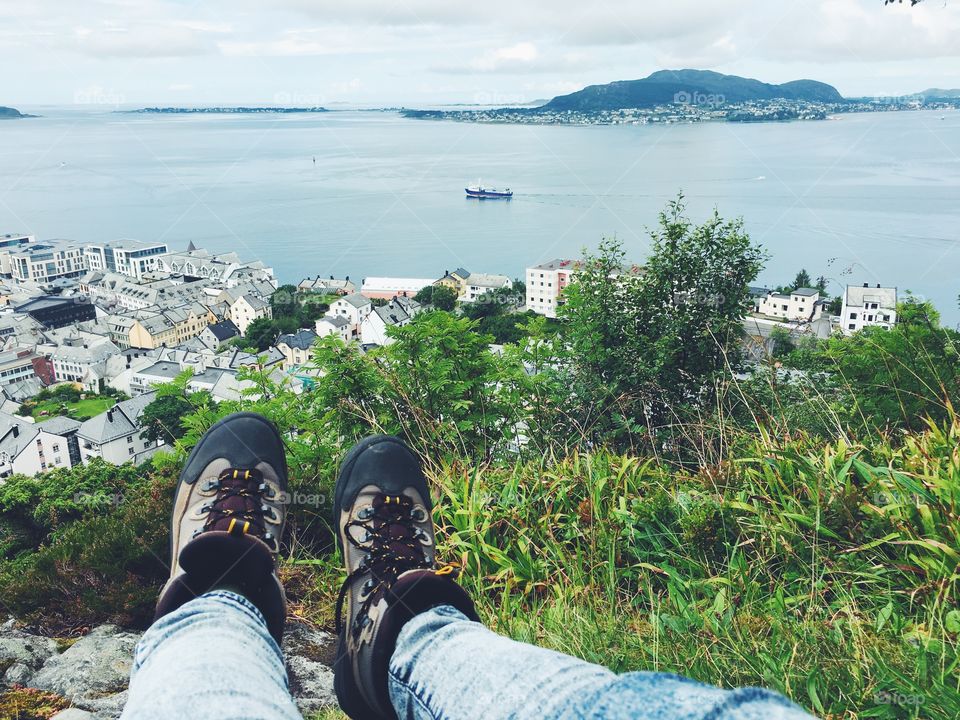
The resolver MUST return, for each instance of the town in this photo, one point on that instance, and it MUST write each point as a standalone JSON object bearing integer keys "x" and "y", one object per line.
{"x": 88, "y": 330}
{"x": 689, "y": 109}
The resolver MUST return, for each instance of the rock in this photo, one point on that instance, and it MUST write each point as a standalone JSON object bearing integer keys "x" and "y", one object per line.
{"x": 309, "y": 656}
{"x": 19, "y": 647}
{"x": 21, "y": 655}
{"x": 107, "y": 708}
{"x": 73, "y": 714}
{"x": 95, "y": 667}
{"x": 18, "y": 674}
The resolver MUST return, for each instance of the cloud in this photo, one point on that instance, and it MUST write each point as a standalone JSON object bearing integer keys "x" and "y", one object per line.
{"x": 169, "y": 40}
{"x": 520, "y": 58}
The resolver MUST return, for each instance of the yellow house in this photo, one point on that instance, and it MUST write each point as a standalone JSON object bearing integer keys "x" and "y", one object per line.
{"x": 456, "y": 280}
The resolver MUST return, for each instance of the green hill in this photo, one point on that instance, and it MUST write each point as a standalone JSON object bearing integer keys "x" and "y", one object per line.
{"x": 665, "y": 86}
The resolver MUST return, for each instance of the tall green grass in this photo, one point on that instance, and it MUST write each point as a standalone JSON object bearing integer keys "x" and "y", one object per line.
{"x": 828, "y": 572}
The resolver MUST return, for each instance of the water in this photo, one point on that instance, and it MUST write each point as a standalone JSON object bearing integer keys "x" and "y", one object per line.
{"x": 866, "y": 198}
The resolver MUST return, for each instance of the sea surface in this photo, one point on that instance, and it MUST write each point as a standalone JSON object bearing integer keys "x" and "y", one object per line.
{"x": 862, "y": 198}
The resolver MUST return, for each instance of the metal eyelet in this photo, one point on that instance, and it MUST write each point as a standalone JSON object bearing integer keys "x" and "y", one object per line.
{"x": 419, "y": 514}
{"x": 365, "y": 513}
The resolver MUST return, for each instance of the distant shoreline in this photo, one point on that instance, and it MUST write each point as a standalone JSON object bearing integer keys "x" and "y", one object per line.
{"x": 223, "y": 110}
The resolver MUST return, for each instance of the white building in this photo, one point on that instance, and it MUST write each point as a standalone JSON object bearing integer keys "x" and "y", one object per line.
{"x": 354, "y": 309}
{"x": 333, "y": 325}
{"x": 373, "y": 329}
{"x": 865, "y": 306}
{"x": 477, "y": 284}
{"x": 545, "y": 284}
{"x": 801, "y": 305}
{"x": 46, "y": 261}
{"x": 29, "y": 448}
{"x": 82, "y": 358}
{"x": 248, "y": 308}
{"x": 11, "y": 243}
{"x": 125, "y": 257}
{"x": 297, "y": 348}
{"x": 116, "y": 435}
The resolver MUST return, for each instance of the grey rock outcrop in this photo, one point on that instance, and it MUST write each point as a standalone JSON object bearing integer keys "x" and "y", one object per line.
{"x": 93, "y": 672}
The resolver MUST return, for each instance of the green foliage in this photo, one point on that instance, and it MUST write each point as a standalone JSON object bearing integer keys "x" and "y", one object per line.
{"x": 437, "y": 384}
{"x": 440, "y": 297}
{"x": 262, "y": 333}
{"x": 32, "y": 509}
{"x": 106, "y": 566}
{"x": 163, "y": 418}
{"x": 649, "y": 346}
{"x": 899, "y": 377}
{"x": 825, "y": 571}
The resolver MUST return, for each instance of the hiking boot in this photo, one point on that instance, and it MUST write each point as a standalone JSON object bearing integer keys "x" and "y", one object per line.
{"x": 227, "y": 520}
{"x": 382, "y": 513}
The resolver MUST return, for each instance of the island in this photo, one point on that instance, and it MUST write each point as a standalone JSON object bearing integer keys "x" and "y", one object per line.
{"x": 225, "y": 110}
{"x": 690, "y": 96}
{"x": 9, "y": 113}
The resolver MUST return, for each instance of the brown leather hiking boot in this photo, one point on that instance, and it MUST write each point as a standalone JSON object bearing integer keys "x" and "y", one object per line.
{"x": 228, "y": 516}
{"x": 382, "y": 512}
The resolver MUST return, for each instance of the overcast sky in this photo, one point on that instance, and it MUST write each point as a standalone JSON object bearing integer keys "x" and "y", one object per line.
{"x": 307, "y": 52}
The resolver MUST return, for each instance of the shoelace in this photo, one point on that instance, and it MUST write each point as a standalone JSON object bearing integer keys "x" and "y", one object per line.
{"x": 389, "y": 526}
{"x": 239, "y": 506}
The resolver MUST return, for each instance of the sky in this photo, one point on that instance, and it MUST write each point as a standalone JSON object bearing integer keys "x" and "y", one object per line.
{"x": 423, "y": 52}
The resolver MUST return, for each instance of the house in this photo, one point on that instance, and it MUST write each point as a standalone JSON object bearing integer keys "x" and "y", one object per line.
{"x": 868, "y": 307}
{"x": 374, "y": 327}
{"x": 116, "y": 435}
{"x": 456, "y": 280}
{"x": 354, "y": 309}
{"x": 247, "y": 308}
{"x": 546, "y": 282}
{"x": 296, "y": 347}
{"x": 478, "y": 284}
{"x": 760, "y": 333}
{"x": 800, "y": 305}
{"x": 226, "y": 268}
{"x": 57, "y": 312}
{"x": 17, "y": 365}
{"x": 385, "y": 288}
{"x": 213, "y": 336}
{"x": 29, "y": 448}
{"x": 328, "y": 286}
{"x": 82, "y": 358}
{"x": 333, "y": 325}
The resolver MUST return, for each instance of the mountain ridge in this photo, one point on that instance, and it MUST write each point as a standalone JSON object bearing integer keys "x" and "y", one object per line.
{"x": 668, "y": 86}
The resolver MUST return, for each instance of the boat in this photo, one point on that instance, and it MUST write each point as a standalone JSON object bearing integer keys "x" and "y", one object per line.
{"x": 488, "y": 193}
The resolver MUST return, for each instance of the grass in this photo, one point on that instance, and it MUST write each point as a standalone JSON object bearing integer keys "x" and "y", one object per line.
{"x": 80, "y": 410}
{"x": 826, "y": 572}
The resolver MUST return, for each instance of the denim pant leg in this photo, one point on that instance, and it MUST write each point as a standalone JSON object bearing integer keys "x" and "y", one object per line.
{"x": 446, "y": 667}
{"x": 211, "y": 658}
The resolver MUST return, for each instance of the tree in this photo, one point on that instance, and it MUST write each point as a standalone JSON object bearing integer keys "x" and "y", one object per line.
{"x": 261, "y": 333}
{"x": 439, "y": 297}
{"x": 802, "y": 280}
{"x": 647, "y": 344}
{"x": 161, "y": 419}
{"x": 899, "y": 377}
{"x": 283, "y": 302}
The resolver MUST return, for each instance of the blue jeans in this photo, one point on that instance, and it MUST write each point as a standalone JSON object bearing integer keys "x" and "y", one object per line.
{"x": 213, "y": 658}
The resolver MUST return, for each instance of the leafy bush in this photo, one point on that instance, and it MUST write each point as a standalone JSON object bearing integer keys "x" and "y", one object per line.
{"x": 105, "y": 566}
